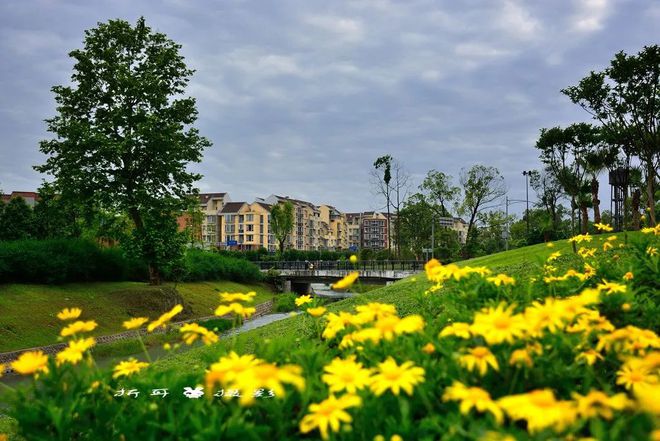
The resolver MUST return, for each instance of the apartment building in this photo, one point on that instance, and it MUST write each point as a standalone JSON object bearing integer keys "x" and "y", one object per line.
{"x": 306, "y": 223}
{"x": 374, "y": 230}
{"x": 210, "y": 204}
{"x": 30, "y": 197}
{"x": 457, "y": 224}
{"x": 333, "y": 232}
{"x": 245, "y": 226}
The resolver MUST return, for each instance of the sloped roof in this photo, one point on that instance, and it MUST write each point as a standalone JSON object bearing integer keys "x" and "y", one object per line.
{"x": 232, "y": 207}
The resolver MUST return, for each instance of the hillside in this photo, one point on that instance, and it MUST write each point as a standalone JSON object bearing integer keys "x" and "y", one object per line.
{"x": 28, "y": 312}
{"x": 519, "y": 263}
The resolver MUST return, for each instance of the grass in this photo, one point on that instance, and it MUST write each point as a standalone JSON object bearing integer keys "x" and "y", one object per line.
{"x": 28, "y": 312}
{"x": 518, "y": 263}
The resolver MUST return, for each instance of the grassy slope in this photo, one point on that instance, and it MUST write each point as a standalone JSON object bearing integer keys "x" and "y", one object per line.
{"x": 517, "y": 263}
{"x": 27, "y": 312}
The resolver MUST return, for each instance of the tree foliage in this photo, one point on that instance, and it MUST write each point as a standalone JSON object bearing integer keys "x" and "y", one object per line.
{"x": 625, "y": 99}
{"x": 281, "y": 223}
{"x": 482, "y": 185}
{"x": 16, "y": 220}
{"x": 439, "y": 190}
{"x": 124, "y": 134}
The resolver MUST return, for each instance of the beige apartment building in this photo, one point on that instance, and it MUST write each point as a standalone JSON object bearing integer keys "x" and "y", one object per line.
{"x": 306, "y": 223}
{"x": 457, "y": 224}
{"x": 333, "y": 229}
{"x": 245, "y": 226}
{"x": 210, "y": 204}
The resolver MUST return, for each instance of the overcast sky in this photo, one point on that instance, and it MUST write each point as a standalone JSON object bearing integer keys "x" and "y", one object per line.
{"x": 299, "y": 97}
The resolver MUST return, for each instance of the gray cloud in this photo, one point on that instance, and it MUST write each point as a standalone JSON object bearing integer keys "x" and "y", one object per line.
{"x": 300, "y": 97}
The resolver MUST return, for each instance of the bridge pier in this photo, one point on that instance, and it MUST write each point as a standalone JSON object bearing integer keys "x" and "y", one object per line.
{"x": 286, "y": 286}
{"x": 301, "y": 288}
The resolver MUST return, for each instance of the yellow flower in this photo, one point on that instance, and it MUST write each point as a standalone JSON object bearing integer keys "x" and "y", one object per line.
{"x": 396, "y": 377}
{"x": 302, "y": 300}
{"x": 135, "y": 323}
{"x": 628, "y": 276}
{"x": 337, "y": 323}
{"x": 626, "y": 307}
{"x": 554, "y": 256}
{"x": 479, "y": 358}
{"x": 346, "y": 375}
{"x": 611, "y": 287}
{"x": 330, "y": 412}
{"x": 501, "y": 279}
{"x": 632, "y": 376}
{"x": 589, "y": 356}
{"x": 236, "y": 308}
{"x": 549, "y": 244}
{"x": 603, "y": 227}
{"x": 586, "y": 252}
{"x": 520, "y": 357}
{"x": 237, "y": 297}
{"x": 227, "y": 368}
{"x": 353, "y": 258}
{"x": 73, "y": 353}
{"x": 316, "y": 312}
{"x": 472, "y": 397}
{"x": 2, "y": 369}
{"x": 428, "y": 348}
{"x": 69, "y": 314}
{"x": 651, "y": 251}
{"x": 191, "y": 331}
{"x": 611, "y": 238}
{"x": 390, "y": 326}
{"x": 346, "y": 282}
{"x": 647, "y": 398}
{"x": 164, "y": 318}
{"x": 580, "y": 238}
{"x": 541, "y": 316}
{"x": 499, "y": 324}
{"x": 652, "y": 230}
{"x": 31, "y": 363}
{"x": 598, "y": 404}
{"x": 457, "y": 329}
{"x": 374, "y": 310}
{"x": 128, "y": 367}
{"x": 540, "y": 409}
{"x": 77, "y": 327}
{"x": 607, "y": 246}
{"x": 267, "y": 376}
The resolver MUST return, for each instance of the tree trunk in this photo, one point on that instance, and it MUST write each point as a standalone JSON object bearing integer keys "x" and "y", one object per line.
{"x": 650, "y": 178}
{"x": 154, "y": 272}
{"x": 595, "y": 200}
{"x": 634, "y": 207}
{"x": 584, "y": 219}
{"x": 573, "y": 207}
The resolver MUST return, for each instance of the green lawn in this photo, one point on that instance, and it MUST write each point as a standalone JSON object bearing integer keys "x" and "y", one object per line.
{"x": 517, "y": 263}
{"x": 28, "y": 312}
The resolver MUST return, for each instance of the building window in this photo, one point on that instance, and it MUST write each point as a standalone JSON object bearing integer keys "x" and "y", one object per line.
{"x": 249, "y": 217}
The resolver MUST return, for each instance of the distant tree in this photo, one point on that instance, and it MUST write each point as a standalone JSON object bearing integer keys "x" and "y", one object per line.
{"x": 385, "y": 163}
{"x": 439, "y": 190}
{"x": 493, "y": 225}
{"x": 124, "y": 134}
{"x": 549, "y": 192}
{"x": 625, "y": 99}
{"x": 281, "y": 222}
{"x": 564, "y": 152}
{"x": 482, "y": 186}
{"x": 55, "y": 217}
{"x": 400, "y": 190}
{"x": 602, "y": 157}
{"x": 17, "y": 220}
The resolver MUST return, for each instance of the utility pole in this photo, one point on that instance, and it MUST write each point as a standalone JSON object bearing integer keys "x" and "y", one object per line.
{"x": 432, "y": 236}
{"x": 527, "y": 174}
{"x": 508, "y": 202}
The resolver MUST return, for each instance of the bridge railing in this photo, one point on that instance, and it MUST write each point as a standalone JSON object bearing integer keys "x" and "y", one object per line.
{"x": 364, "y": 265}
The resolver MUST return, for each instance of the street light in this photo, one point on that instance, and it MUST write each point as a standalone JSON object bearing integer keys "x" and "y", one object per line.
{"x": 527, "y": 174}
{"x": 508, "y": 202}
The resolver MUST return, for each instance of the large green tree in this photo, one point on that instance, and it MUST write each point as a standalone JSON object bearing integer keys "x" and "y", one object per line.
{"x": 439, "y": 190}
{"x": 482, "y": 186}
{"x": 124, "y": 134}
{"x": 281, "y": 223}
{"x": 625, "y": 99}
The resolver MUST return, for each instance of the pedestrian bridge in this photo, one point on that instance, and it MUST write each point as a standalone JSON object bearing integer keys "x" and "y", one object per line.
{"x": 298, "y": 275}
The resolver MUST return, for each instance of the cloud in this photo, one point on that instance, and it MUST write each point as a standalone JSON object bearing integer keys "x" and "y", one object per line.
{"x": 590, "y": 15}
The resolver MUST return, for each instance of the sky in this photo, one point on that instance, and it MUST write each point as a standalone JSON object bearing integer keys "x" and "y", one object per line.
{"x": 299, "y": 97}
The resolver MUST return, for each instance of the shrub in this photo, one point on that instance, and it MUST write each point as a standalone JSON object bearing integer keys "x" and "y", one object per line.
{"x": 285, "y": 302}
{"x": 63, "y": 260}
{"x": 204, "y": 265}
{"x": 218, "y": 325}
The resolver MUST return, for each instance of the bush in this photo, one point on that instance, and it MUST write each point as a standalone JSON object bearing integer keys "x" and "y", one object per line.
{"x": 285, "y": 302}
{"x": 64, "y": 260}
{"x": 218, "y": 325}
{"x": 204, "y": 265}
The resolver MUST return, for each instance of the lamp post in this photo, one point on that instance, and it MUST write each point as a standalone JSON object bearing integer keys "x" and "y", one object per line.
{"x": 508, "y": 202}
{"x": 527, "y": 174}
